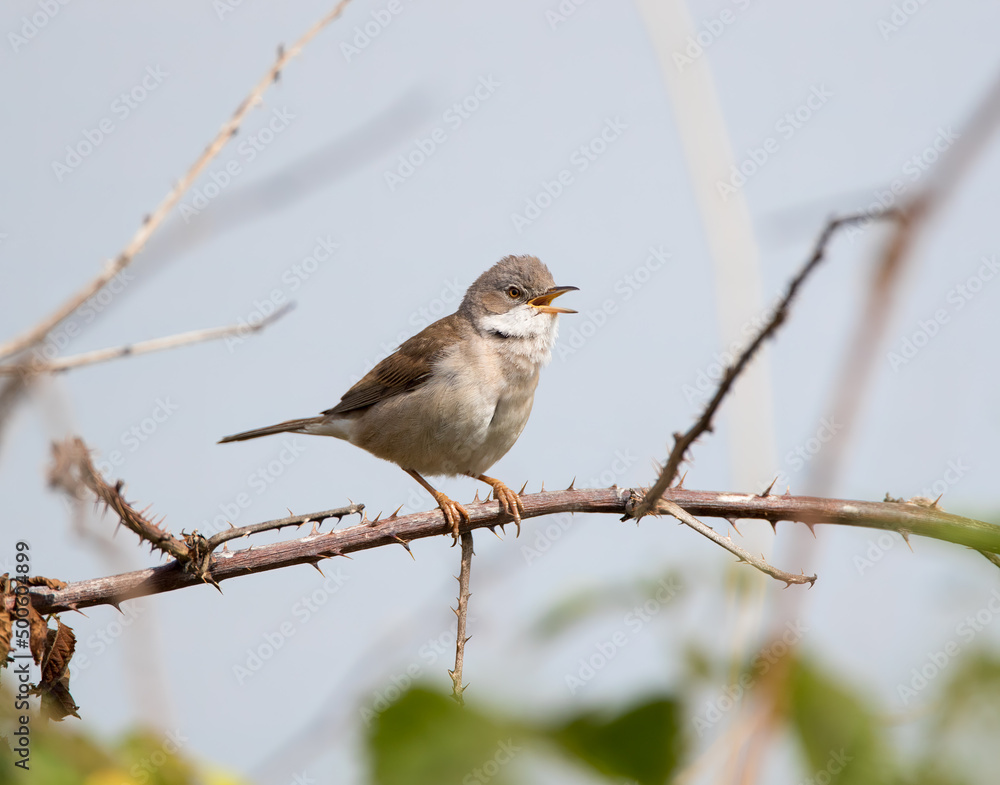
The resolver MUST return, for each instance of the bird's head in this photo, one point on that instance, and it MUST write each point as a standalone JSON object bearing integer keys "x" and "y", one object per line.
{"x": 513, "y": 299}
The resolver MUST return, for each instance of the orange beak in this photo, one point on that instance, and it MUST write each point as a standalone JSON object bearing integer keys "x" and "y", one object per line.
{"x": 542, "y": 303}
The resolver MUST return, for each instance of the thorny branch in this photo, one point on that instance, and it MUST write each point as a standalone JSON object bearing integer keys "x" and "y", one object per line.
{"x": 153, "y": 221}
{"x": 683, "y": 441}
{"x": 462, "y": 612}
{"x": 72, "y": 471}
{"x": 906, "y": 518}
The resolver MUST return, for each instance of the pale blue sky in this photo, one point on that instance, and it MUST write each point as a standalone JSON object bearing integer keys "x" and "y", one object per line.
{"x": 311, "y": 203}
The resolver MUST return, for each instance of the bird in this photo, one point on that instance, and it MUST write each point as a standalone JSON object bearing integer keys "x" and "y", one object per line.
{"x": 453, "y": 399}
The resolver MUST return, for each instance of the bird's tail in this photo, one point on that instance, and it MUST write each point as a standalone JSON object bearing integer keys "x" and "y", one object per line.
{"x": 288, "y": 426}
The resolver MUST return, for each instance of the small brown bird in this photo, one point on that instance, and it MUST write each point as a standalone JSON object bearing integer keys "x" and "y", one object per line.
{"x": 453, "y": 399}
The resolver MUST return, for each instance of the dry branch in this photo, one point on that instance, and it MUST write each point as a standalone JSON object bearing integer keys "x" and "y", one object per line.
{"x": 142, "y": 347}
{"x": 902, "y": 517}
{"x": 462, "y": 612}
{"x": 153, "y": 221}
{"x": 683, "y": 441}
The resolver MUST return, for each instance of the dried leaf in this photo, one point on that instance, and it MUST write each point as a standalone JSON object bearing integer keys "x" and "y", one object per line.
{"x": 39, "y": 634}
{"x": 52, "y": 583}
{"x": 59, "y": 648}
{"x": 5, "y": 629}
{"x": 57, "y": 703}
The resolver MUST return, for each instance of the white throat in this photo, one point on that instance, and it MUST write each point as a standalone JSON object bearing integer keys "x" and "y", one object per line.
{"x": 525, "y": 331}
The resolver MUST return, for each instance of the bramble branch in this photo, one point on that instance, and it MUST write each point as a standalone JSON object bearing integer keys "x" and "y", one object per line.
{"x": 906, "y": 518}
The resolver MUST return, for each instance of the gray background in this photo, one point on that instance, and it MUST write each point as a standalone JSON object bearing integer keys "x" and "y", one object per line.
{"x": 603, "y": 411}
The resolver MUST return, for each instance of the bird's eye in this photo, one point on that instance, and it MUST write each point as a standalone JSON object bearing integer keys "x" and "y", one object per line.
{"x": 513, "y": 292}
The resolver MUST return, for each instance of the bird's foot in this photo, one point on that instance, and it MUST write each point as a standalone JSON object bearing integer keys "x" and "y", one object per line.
{"x": 454, "y": 513}
{"x": 510, "y": 502}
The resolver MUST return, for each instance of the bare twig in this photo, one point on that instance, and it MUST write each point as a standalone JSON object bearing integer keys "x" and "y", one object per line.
{"x": 462, "y": 612}
{"x": 143, "y": 347}
{"x": 38, "y": 333}
{"x": 292, "y": 520}
{"x": 902, "y": 517}
{"x": 727, "y": 542}
{"x": 916, "y": 213}
{"x": 683, "y": 441}
{"x": 72, "y": 468}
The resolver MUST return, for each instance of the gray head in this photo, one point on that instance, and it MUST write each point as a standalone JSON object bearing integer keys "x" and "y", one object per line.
{"x": 520, "y": 283}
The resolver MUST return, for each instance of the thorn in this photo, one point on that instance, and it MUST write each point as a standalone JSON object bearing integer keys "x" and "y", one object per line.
{"x": 290, "y": 513}
{"x": 788, "y": 490}
{"x": 377, "y": 518}
{"x": 571, "y": 485}
{"x": 316, "y": 565}
{"x": 732, "y": 522}
{"x": 405, "y": 544}
{"x": 774, "y": 525}
{"x": 906, "y": 538}
{"x": 543, "y": 487}
{"x": 114, "y": 604}
{"x": 476, "y": 500}
{"x": 315, "y": 529}
{"x": 768, "y": 491}
{"x": 935, "y": 503}
{"x": 680, "y": 482}
{"x": 225, "y": 547}
{"x": 812, "y": 528}
{"x": 493, "y": 529}
{"x": 395, "y": 514}
{"x": 526, "y": 485}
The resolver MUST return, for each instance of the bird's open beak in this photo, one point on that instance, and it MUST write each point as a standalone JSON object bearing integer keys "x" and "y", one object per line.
{"x": 542, "y": 303}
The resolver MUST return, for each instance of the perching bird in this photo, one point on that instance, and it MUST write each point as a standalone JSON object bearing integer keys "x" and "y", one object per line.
{"x": 453, "y": 399}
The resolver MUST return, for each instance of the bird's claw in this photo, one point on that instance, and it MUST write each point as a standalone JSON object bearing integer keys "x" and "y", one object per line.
{"x": 510, "y": 502}
{"x": 454, "y": 514}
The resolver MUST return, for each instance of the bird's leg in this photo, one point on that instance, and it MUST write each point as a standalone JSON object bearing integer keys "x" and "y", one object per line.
{"x": 454, "y": 513}
{"x": 510, "y": 502}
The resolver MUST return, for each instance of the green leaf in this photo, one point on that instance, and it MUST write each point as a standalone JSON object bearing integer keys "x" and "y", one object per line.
{"x": 427, "y": 738}
{"x": 643, "y": 744}
{"x": 839, "y": 733}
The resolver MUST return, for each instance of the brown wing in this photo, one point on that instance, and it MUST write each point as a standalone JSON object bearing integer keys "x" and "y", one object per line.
{"x": 405, "y": 369}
